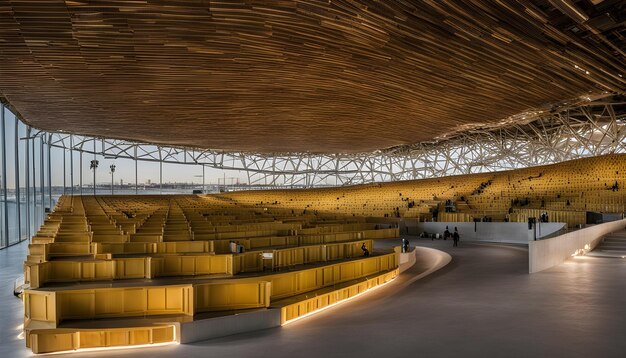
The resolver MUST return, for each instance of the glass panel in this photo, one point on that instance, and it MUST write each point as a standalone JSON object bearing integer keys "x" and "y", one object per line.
{"x": 33, "y": 181}
{"x": 58, "y": 167}
{"x": 9, "y": 122}
{"x": 3, "y": 203}
{"x": 22, "y": 184}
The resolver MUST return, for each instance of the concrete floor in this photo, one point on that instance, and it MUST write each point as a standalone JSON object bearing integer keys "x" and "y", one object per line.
{"x": 483, "y": 304}
{"x": 11, "y": 308}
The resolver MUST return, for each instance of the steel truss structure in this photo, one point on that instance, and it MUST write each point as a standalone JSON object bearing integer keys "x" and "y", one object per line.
{"x": 592, "y": 129}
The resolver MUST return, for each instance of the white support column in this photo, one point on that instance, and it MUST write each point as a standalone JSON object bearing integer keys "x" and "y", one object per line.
{"x": 27, "y": 181}
{"x": 42, "y": 184}
{"x": 94, "y": 166}
{"x": 50, "y": 173}
{"x": 72, "y": 164}
{"x": 64, "y": 172}
{"x": 80, "y": 165}
{"x": 136, "y": 173}
{"x": 34, "y": 175}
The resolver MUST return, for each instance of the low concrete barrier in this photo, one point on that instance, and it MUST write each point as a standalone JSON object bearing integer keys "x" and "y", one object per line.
{"x": 544, "y": 254}
{"x": 427, "y": 261}
{"x": 514, "y": 233}
{"x": 203, "y": 329}
{"x": 406, "y": 259}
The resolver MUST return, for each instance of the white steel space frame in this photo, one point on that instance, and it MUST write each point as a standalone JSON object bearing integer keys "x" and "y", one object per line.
{"x": 592, "y": 129}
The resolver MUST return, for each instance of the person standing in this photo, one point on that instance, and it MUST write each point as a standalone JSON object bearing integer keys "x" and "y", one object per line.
{"x": 366, "y": 252}
{"x": 456, "y": 237}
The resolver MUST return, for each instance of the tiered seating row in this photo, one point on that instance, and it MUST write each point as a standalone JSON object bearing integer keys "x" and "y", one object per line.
{"x": 186, "y": 264}
{"x": 53, "y": 306}
{"x": 296, "y": 307}
{"x": 64, "y": 339}
{"x": 45, "y": 252}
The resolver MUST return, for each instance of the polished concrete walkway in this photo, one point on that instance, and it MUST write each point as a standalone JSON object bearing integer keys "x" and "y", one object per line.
{"x": 483, "y": 304}
{"x": 11, "y": 308}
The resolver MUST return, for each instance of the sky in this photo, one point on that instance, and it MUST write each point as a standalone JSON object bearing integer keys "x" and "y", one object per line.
{"x": 125, "y": 168}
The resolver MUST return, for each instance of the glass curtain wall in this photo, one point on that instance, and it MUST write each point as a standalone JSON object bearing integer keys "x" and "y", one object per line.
{"x": 34, "y": 174}
{"x": 31, "y": 179}
{"x": 25, "y": 177}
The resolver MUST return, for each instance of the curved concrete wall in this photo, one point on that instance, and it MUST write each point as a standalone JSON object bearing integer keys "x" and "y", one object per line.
{"x": 405, "y": 259}
{"x": 547, "y": 253}
{"x": 515, "y": 233}
{"x": 427, "y": 261}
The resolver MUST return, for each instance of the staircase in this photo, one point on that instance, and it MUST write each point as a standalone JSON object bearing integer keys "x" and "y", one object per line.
{"x": 481, "y": 188}
{"x": 613, "y": 245}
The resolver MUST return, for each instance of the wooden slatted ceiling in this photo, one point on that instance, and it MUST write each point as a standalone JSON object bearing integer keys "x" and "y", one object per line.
{"x": 295, "y": 76}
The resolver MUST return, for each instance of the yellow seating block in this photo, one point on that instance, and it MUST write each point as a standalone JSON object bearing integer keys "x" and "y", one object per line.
{"x": 55, "y": 306}
{"x": 294, "y": 310}
{"x": 232, "y": 295}
{"x": 57, "y": 340}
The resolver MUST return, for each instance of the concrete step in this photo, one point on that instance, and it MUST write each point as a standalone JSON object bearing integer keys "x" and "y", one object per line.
{"x": 616, "y": 242}
{"x": 610, "y": 253}
{"x": 614, "y": 238}
{"x": 613, "y": 244}
{"x": 613, "y": 241}
{"x": 611, "y": 249}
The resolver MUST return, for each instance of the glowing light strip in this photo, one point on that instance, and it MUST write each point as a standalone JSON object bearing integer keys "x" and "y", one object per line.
{"x": 112, "y": 348}
{"x": 337, "y": 303}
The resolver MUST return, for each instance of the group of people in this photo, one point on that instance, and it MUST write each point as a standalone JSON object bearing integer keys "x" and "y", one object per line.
{"x": 455, "y": 236}
{"x": 235, "y": 247}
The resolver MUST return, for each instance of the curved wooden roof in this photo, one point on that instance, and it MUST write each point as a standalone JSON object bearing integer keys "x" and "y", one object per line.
{"x": 301, "y": 76}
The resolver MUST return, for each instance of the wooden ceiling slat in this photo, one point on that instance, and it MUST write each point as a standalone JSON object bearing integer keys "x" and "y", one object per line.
{"x": 291, "y": 76}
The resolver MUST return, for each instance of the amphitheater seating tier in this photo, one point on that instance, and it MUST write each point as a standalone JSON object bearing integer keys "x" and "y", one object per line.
{"x": 564, "y": 191}
{"x": 168, "y": 257}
